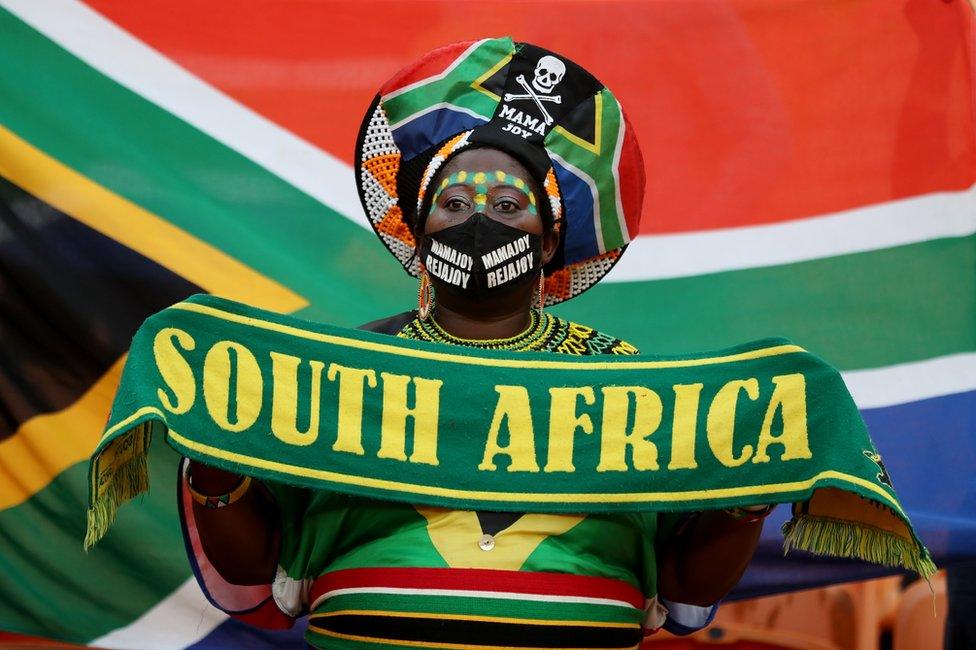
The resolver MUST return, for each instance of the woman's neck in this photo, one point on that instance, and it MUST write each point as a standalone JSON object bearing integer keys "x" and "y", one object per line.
{"x": 491, "y": 318}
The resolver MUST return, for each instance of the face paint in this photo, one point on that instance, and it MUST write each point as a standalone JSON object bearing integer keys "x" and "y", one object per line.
{"x": 482, "y": 255}
{"x": 479, "y": 182}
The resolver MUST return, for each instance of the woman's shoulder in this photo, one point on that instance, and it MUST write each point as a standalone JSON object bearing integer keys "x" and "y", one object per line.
{"x": 568, "y": 337}
{"x": 391, "y": 324}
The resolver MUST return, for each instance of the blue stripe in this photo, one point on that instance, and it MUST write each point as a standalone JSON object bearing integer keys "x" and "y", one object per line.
{"x": 581, "y": 242}
{"x": 422, "y": 133}
{"x": 929, "y": 448}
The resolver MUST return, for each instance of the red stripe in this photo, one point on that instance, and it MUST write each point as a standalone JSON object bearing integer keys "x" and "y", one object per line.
{"x": 267, "y": 616}
{"x": 744, "y": 115}
{"x": 433, "y": 63}
{"x": 631, "y": 173}
{"x": 520, "y": 582}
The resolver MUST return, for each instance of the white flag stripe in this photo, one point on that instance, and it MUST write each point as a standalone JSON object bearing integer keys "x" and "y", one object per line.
{"x": 132, "y": 63}
{"x": 181, "y": 619}
{"x": 874, "y": 227}
{"x": 125, "y": 59}
{"x": 184, "y": 617}
{"x": 912, "y": 382}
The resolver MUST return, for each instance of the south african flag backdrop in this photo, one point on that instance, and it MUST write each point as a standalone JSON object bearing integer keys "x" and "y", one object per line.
{"x": 810, "y": 166}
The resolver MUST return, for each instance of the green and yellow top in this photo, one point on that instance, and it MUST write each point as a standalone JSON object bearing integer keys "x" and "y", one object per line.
{"x": 377, "y": 574}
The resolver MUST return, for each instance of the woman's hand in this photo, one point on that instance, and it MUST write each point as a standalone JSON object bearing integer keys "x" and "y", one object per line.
{"x": 705, "y": 559}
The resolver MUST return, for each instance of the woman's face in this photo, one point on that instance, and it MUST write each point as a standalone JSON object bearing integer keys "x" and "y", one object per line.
{"x": 506, "y": 200}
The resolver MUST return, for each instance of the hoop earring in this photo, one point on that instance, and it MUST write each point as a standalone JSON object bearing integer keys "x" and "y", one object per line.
{"x": 539, "y": 299}
{"x": 425, "y": 295}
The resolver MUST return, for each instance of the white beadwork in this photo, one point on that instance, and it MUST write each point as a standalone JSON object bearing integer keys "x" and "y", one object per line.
{"x": 378, "y": 140}
{"x": 585, "y": 274}
{"x": 376, "y": 198}
{"x": 555, "y": 205}
{"x": 401, "y": 251}
{"x": 435, "y": 164}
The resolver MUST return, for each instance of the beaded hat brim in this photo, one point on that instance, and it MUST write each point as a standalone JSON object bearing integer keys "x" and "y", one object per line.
{"x": 556, "y": 118}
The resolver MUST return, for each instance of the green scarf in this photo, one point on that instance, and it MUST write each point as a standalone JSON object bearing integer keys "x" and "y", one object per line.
{"x": 312, "y": 405}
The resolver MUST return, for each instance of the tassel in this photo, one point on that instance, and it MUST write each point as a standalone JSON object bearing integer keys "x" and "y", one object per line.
{"x": 822, "y": 536}
{"x": 127, "y": 481}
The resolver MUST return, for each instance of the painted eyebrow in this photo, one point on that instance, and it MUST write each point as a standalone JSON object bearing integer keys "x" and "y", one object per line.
{"x": 480, "y": 182}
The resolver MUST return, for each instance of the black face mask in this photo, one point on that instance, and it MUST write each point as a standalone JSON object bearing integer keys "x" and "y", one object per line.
{"x": 481, "y": 255}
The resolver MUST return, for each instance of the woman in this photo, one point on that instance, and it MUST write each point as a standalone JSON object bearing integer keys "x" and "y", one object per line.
{"x": 468, "y": 176}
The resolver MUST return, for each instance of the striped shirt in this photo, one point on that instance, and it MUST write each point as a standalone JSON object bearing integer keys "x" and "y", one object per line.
{"x": 376, "y": 574}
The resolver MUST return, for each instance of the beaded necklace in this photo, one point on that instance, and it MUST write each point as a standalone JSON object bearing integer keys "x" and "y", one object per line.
{"x": 545, "y": 333}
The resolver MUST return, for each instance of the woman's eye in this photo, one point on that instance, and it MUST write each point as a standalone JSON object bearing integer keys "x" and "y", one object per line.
{"x": 455, "y": 204}
{"x": 507, "y": 205}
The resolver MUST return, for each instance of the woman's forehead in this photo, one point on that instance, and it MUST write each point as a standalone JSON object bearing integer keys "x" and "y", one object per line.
{"x": 485, "y": 160}
{"x": 481, "y": 182}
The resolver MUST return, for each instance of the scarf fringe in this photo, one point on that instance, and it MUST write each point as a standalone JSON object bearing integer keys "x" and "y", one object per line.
{"x": 128, "y": 481}
{"x": 837, "y": 538}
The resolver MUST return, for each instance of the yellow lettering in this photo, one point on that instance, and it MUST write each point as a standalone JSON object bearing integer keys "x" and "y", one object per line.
{"x": 686, "y": 398}
{"x": 513, "y": 407}
{"x": 284, "y": 400}
{"x": 720, "y": 424}
{"x": 614, "y": 438}
{"x": 349, "y": 436}
{"x": 790, "y": 398}
{"x": 174, "y": 369}
{"x": 393, "y": 431}
{"x": 563, "y": 422}
{"x": 247, "y": 390}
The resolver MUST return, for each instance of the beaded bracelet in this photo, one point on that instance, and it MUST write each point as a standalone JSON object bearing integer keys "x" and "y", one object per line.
{"x": 221, "y": 500}
{"x": 750, "y": 516}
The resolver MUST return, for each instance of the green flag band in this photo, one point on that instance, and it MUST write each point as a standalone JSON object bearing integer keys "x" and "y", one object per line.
{"x": 282, "y": 399}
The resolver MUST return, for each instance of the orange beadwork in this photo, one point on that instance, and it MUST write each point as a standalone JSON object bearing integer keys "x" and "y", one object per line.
{"x": 435, "y": 163}
{"x": 551, "y": 187}
{"x": 384, "y": 169}
{"x": 394, "y": 225}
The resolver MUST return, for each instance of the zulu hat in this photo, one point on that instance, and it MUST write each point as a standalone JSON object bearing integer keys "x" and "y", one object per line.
{"x": 563, "y": 125}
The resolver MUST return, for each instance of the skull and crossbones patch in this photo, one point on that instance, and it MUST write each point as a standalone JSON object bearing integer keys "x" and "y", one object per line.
{"x": 549, "y": 71}
{"x": 547, "y": 74}
{"x": 539, "y": 91}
